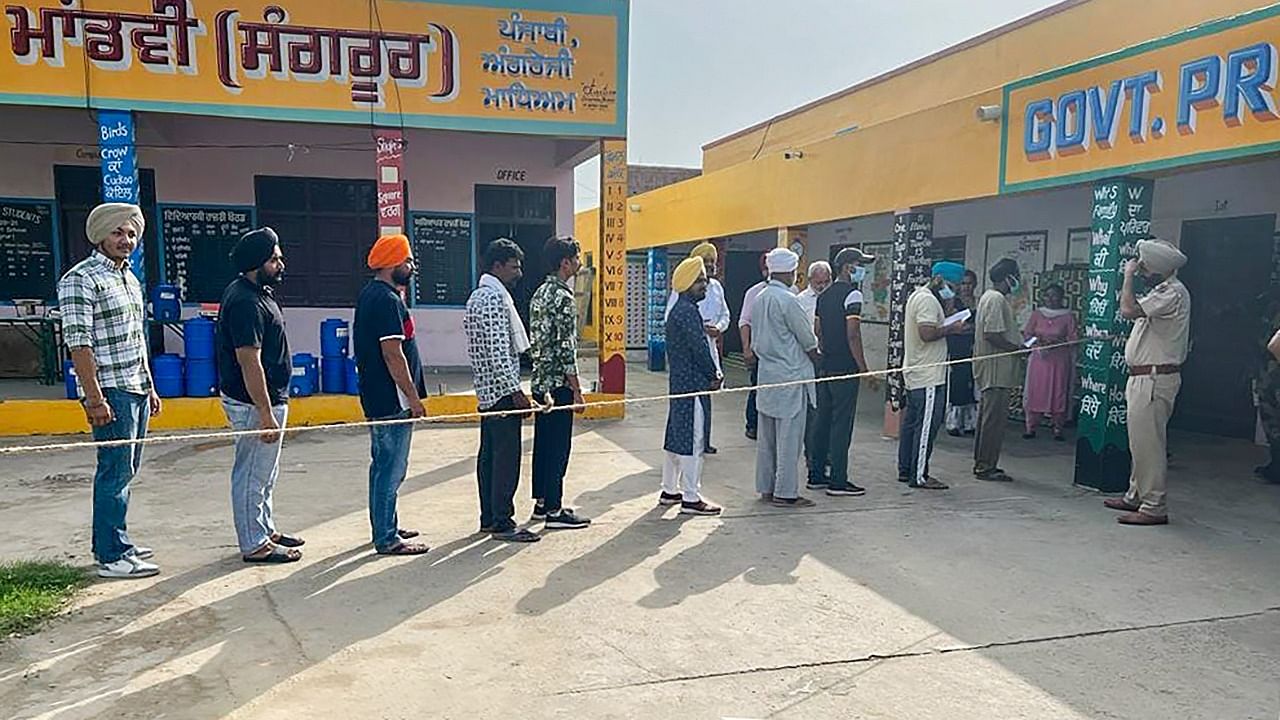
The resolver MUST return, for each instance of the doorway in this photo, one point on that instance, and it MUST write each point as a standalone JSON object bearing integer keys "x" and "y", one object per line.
{"x": 526, "y": 215}
{"x": 1227, "y": 272}
{"x": 741, "y": 271}
{"x": 78, "y": 189}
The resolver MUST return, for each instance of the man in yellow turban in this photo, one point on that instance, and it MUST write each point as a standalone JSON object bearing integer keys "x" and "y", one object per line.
{"x": 715, "y": 320}
{"x": 391, "y": 386}
{"x": 690, "y": 369}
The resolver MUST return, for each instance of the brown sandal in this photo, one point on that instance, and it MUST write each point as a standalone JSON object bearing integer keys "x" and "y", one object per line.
{"x": 406, "y": 549}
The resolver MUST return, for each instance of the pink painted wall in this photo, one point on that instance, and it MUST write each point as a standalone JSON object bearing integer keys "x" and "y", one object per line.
{"x": 442, "y": 169}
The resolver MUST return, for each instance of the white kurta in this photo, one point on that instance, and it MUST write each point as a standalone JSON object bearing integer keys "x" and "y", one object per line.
{"x": 714, "y": 311}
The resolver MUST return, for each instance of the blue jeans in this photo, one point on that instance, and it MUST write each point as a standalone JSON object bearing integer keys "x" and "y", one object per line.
{"x": 253, "y": 474}
{"x": 389, "y": 448}
{"x": 116, "y": 468}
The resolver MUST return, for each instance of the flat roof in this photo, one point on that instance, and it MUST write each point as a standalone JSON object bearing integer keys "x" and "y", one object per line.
{"x": 904, "y": 69}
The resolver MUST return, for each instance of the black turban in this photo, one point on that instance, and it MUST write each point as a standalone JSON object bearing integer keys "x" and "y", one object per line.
{"x": 254, "y": 249}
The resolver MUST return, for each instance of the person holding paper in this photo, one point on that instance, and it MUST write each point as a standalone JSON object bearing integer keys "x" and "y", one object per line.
{"x": 962, "y": 400}
{"x": 1050, "y": 370}
{"x": 996, "y": 371}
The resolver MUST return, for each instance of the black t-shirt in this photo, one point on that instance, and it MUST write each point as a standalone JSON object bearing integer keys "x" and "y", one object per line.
{"x": 381, "y": 315}
{"x": 250, "y": 317}
{"x": 838, "y": 302}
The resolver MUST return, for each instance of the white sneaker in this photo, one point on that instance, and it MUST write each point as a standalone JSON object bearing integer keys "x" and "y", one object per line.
{"x": 127, "y": 567}
{"x": 142, "y": 553}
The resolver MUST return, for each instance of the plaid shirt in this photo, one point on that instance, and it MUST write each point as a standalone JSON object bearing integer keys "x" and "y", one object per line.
{"x": 494, "y": 362}
{"x": 102, "y": 310}
{"x": 553, "y": 329}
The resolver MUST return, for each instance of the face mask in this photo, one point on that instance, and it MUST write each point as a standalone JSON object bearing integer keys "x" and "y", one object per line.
{"x": 859, "y": 274}
{"x": 946, "y": 293}
{"x": 1015, "y": 283}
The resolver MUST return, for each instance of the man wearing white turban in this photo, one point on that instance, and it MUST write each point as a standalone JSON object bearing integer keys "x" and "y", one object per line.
{"x": 104, "y": 328}
{"x": 786, "y": 348}
{"x": 1155, "y": 352}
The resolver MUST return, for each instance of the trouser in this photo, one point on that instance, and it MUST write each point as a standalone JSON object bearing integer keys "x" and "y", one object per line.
{"x": 920, "y": 423}
{"x": 993, "y": 418}
{"x": 1058, "y": 420}
{"x": 389, "y": 450}
{"x": 116, "y": 468}
{"x": 705, "y": 401}
{"x": 1269, "y": 410}
{"x": 552, "y": 442}
{"x": 962, "y": 418}
{"x": 778, "y": 456}
{"x": 810, "y": 429}
{"x": 498, "y": 467}
{"x": 1151, "y": 400}
{"x": 837, "y": 405}
{"x": 253, "y": 474}
{"x": 683, "y": 473}
{"x": 753, "y": 417}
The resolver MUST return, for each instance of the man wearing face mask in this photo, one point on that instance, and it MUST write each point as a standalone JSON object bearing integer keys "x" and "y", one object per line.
{"x": 104, "y": 329}
{"x": 997, "y": 333}
{"x": 840, "y": 335}
{"x": 391, "y": 386}
{"x": 253, "y": 377}
{"x": 1155, "y": 351}
{"x": 924, "y": 376}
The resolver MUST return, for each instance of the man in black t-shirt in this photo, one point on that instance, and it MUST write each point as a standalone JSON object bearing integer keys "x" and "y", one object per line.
{"x": 253, "y": 376}
{"x": 391, "y": 386}
{"x": 839, "y": 321}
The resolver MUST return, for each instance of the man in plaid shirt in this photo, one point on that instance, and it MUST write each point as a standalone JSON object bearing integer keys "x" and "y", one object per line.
{"x": 104, "y": 327}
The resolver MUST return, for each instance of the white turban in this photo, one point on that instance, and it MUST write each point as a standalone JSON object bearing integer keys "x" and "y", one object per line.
{"x": 108, "y": 216}
{"x": 781, "y": 260}
{"x": 1160, "y": 256}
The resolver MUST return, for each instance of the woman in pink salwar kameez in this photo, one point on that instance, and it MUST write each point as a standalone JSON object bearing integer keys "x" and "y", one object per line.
{"x": 1050, "y": 371}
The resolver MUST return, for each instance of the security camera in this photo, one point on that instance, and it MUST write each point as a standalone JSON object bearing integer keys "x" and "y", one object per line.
{"x": 792, "y": 154}
{"x": 989, "y": 113}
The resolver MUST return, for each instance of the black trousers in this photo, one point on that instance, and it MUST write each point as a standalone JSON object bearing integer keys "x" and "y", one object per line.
{"x": 833, "y": 431}
{"x": 753, "y": 417}
{"x": 925, "y": 410}
{"x": 552, "y": 442}
{"x": 498, "y": 467}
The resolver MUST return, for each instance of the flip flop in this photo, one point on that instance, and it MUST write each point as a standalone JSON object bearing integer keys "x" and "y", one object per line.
{"x": 288, "y": 541}
{"x": 406, "y": 549}
{"x": 277, "y": 556}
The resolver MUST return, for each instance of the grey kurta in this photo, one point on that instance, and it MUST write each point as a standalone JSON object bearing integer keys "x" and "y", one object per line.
{"x": 781, "y": 338}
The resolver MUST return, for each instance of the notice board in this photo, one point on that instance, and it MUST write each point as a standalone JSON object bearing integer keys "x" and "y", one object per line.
{"x": 444, "y": 246}
{"x": 196, "y": 243}
{"x": 27, "y": 234}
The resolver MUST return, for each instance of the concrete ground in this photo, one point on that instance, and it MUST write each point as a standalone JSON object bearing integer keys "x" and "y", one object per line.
{"x": 1021, "y": 600}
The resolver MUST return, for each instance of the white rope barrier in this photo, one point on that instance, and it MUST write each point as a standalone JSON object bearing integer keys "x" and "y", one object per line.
{"x": 477, "y": 415}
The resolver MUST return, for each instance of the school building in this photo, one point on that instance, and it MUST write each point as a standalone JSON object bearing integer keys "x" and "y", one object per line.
{"x": 1058, "y": 140}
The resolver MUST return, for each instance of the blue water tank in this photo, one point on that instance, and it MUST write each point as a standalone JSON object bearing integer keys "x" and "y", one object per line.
{"x": 166, "y": 303}
{"x": 353, "y": 377}
{"x": 166, "y": 371}
{"x": 303, "y": 382}
{"x": 73, "y": 382}
{"x": 334, "y": 338}
{"x": 202, "y": 378}
{"x": 333, "y": 374}
{"x": 197, "y": 334}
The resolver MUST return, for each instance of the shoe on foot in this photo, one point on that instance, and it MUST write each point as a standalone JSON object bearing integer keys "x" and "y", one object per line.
{"x": 904, "y": 479}
{"x": 766, "y": 497}
{"x": 1141, "y": 518}
{"x": 929, "y": 484}
{"x": 516, "y": 535}
{"x": 127, "y": 568}
{"x": 539, "y": 511}
{"x": 710, "y": 450}
{"x": 818, "y": 484}
{"x": 795, "y": 502}
{"x": 1120, "y": 504}
{"x": 142, "y": 553}
{"x": 848, "y": 490}
{"x": 667, "y": 498}
{"x": 566, "y": 520}
{"x": 751, "y": 434}
{"x": 996, "y": 475}
{"x": 701, "y": 507}
{"x": 1029, "y": 435}
{"x": 954, "y": 433}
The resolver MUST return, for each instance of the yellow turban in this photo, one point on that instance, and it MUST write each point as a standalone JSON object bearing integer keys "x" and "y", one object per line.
{"x": 705, "y": 250}
{"x": 1160, "y": 256}
{"x": 687, "y": 273}
{"x": 389, "y": 251}
{"x": 105, "y": 218}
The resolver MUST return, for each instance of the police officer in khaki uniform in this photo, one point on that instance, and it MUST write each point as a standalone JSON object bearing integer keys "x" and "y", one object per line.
{"x": 1155, "y": 352}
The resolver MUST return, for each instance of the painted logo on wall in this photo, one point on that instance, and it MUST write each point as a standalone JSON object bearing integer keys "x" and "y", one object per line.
{"x": 428, "y": 65}
{"x": 1205, "y": 94}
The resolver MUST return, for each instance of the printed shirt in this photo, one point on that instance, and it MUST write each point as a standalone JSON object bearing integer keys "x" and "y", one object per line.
{"x": 494, "y": 362}
{"x": 553, "y": 327}
{"x": 102, "y": 310}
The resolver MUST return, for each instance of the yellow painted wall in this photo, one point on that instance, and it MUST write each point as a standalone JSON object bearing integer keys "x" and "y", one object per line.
{"x": 1088, "y": 29}
{"x": 939, "y": 155}
{"x": 586, "y": 230}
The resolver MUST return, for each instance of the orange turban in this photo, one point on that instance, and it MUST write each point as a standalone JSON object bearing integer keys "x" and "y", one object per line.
{"x": 389, "y": 251}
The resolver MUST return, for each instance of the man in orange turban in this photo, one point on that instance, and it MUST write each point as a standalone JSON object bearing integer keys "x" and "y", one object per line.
{"x": 391, "y": 386}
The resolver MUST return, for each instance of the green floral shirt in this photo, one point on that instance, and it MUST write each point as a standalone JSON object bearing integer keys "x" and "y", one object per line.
{"x": 553, "y": 331}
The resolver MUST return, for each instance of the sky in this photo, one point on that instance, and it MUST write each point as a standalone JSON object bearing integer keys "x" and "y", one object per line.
{"x": 702, "y": 69}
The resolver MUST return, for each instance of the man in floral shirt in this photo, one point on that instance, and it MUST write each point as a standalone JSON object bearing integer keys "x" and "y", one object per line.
{"x": 553, "y": 324}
